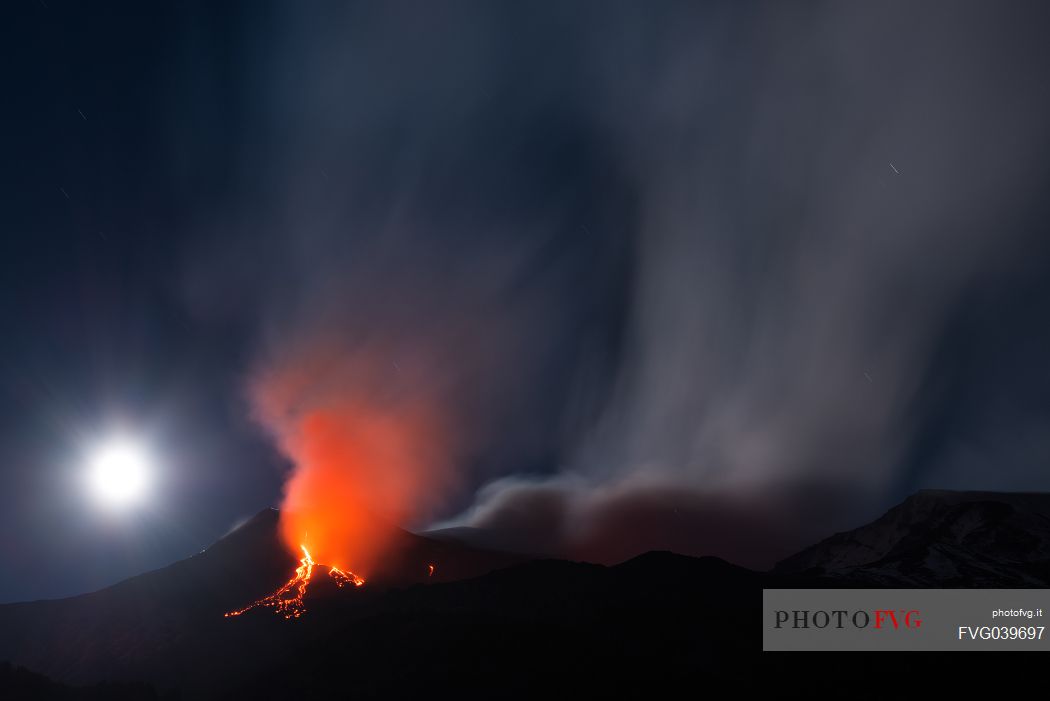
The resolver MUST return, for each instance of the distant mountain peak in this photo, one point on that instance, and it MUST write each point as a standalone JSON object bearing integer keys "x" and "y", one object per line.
{"x": 941, "y": 538}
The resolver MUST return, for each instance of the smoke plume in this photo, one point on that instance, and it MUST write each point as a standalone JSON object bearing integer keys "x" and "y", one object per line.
{"x": 604, "y": 277}
{"x": 367, "y": 455}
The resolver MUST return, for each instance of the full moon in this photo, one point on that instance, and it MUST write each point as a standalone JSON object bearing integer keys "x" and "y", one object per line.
{"x": 118, "y": 472}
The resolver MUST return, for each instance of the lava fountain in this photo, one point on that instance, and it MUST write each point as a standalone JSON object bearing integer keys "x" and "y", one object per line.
{"x": 369, "y": 453}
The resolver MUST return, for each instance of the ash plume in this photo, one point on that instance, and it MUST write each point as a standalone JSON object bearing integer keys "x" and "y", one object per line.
{"x": 803, "y": 236}
{"x": 684, "y": 267}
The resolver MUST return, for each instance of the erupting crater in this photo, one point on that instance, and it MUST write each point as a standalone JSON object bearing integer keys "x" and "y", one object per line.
{"x": 289, "y": 600}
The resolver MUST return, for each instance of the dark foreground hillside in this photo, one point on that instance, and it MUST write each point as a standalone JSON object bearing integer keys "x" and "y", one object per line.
{"x": 20, "y": 683}
{"x": 649, "y": 628}
{"x": 658, "y": 626}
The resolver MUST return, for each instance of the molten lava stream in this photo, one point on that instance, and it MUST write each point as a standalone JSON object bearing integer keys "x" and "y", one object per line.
{"x": 288, "y": 600}
{"x": 343, "y": 578}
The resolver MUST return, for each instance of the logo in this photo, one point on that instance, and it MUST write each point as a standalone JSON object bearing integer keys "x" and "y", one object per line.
{"x": 877, "y": 619}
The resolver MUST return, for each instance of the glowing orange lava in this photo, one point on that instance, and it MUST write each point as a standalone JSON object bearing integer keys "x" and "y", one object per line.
{"x": 288, "y": 600}
{"x": 343, "y": 578}
{"x": 430, "y": 570}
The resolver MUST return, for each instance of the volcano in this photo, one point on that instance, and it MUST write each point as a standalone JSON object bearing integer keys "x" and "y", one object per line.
{"x": 485, "y": 622}
{"x": 147, "y": 627}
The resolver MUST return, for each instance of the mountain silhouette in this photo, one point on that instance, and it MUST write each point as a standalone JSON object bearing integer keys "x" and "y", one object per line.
{"x": 131, "y": 629}
{"x": 489, "y": 623}
{"x": 939, "y": 538}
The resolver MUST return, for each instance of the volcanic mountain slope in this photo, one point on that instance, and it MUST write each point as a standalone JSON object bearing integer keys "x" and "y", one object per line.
{"x": 138, "y": 628}
{"x": 539, "y": 627}
{"x": 941, "y": 538}
{"x": 529, "y": 625}
{"x": 21, "y": 684}
{"x": 648, "y": 627}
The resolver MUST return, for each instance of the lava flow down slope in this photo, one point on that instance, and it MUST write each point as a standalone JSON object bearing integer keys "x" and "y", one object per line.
{"x": 646, "y": 627}
{"x": 289, "y": 600}
{"x": 157, "y": 625}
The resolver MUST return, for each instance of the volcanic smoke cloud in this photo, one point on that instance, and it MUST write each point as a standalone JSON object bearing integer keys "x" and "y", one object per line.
{"x": 367, "y": 456}
{"x": 598, "y": 277}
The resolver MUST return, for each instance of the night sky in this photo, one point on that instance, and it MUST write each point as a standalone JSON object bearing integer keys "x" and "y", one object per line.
{"x": 722, "y": 277}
